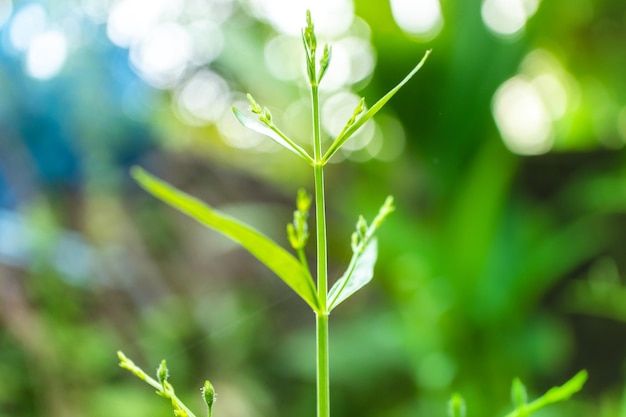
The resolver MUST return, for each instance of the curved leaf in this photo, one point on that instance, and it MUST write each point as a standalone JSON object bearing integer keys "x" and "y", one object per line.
{"x": 272, "y": 133}
{"x": 553, "y": 395}
{"x": 351, "y": 130}
{"x": 360, "y": 271}
{"x": 281, "y": 262}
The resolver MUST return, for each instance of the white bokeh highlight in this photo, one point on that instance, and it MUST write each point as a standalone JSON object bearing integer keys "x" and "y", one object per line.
{"x": 162, "y": 55}
{"x": 203, "y": 99}
{"x": 130, "y": 20}
{"x": 6, "y": 8}
{"x": 533, "y": 109}
{"x": 522, "y": 117}
{"x": 46, "y": 55}
{"x": 507, "y": 18}
{"x": 332, "y": 18}
{"x": 29, "y": 22}
{"x": 421, "y": 18}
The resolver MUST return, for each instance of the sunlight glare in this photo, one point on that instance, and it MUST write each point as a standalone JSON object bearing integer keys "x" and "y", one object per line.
{"x": 361, "y": 57}
{"x": 46, "y": 55}
{"x": 558, "y": 89}
{"x": 96, "y": 10}
{"x": 507, "y": 17}
{"x": 418, "y": 17}
{"x": 203, "y": 99}
{"x": 238, "y": 136}
{"x": 208, "y": 41}
{"x": 161, "y": 56}
{"x": 218, "y": 11}
{"x": 28, "y": 23}
{"x": 331, "y": 18}
{"x": 353, "y": 60}
{"x": 393, "y": 138}
{"x": 336, "y": 111}
{"x": 130, "y": 20}
{"x": 284, "y": 57}
{"x": 522, "y": 117}
{"x": 552, "y": 93}
{"x": 6, "y": 8}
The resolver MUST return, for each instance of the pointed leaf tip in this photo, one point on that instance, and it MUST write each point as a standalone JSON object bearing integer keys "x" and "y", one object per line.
{"x": 270, "y": 131}
{"x": 272, "y": 255}
{"x": 354, "y": 127}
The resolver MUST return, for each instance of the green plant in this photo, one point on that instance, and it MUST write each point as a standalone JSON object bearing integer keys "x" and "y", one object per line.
{"x": 519, "y": 397}
{"x": 293, "y": 270}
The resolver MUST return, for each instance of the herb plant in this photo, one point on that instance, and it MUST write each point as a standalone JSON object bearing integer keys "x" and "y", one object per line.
{"x": 519, "y": 397}
{"x": 294, "y": 270}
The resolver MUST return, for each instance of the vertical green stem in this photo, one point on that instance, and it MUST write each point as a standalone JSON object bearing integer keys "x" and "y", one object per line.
{"x": 320, "y": 203}
{"x": 323, "y": 380}
{"x": 323, "y": 377}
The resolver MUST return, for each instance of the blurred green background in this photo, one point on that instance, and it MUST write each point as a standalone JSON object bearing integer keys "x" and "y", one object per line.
{"x": 505, "y": 155}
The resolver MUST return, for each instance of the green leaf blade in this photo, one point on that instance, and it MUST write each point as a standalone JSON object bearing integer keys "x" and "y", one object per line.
{"x": 372, "y": 111}
{"x": 276, "y": 258}
{"x": 259, "y": 127}
{"x": 359, "y": 273}
{"x": 566, "y": 390}
{"x": 553, "y": 395}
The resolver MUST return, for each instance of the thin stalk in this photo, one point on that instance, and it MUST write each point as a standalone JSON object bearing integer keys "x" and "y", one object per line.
{"x": 323, "y": 377}
{"x": 320, "y": 203}
{"x": 323, "y": 380}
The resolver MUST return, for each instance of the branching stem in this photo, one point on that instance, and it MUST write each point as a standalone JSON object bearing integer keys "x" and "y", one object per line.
{"x": 323, "y": 380}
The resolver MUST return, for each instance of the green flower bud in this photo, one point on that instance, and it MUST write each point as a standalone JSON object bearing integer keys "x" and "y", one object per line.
{"x": 267, "y": 116}
{"x": 361, "y": 227}
{"x": 291, "y": 235}
{"x": 324, "y": 62}
{"x": 162, "y": 373}
{"x": 208, "y": 393}
{"x": 303, "y": 201}
{"x": 355, "y": 242}
{"x": 254, "y": 106}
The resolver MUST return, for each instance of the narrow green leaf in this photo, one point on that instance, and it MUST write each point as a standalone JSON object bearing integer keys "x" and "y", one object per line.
{"x": 281, "y": 262}
{"x": 272, "y": 133}
{"x": 360, "y": 271}
{"x": 345, "y": 135}
{"x": 553, "y": 395}
{"x": 566, "y": 390}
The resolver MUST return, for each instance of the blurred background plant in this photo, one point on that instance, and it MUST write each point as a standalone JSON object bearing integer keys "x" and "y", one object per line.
{"x": 504, "y": 257}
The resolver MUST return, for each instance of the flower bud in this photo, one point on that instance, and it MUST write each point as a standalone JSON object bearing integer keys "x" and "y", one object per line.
{"x": 162, "y": 373}
{"x": 208, "y": 393}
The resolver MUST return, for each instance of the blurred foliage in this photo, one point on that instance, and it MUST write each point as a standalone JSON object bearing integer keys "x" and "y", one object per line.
{"x": 495, "y": 264}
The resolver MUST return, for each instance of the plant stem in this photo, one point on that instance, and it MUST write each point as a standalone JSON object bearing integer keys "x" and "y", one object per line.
{"x": 323, "y": 380}
{"x": 320, "y": 220}
{"x": 323, "y": 377}
{"x": 320, "y": 203}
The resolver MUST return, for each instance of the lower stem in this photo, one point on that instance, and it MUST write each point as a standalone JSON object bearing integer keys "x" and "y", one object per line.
{"x": 323, "y": 377}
